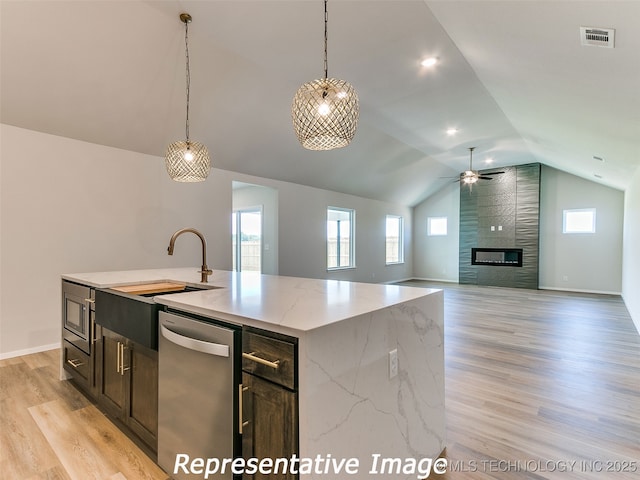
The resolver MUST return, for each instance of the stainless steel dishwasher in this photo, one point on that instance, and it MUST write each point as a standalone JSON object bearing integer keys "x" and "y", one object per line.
{"x": 198, "y": 391}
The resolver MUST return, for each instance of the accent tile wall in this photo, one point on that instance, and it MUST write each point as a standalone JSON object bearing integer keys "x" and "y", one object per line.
{"x": 501, "y": 213}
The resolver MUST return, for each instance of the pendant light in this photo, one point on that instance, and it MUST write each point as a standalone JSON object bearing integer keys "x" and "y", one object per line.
{"x": 325, "y": 111}
{"x": 187, "y": 161}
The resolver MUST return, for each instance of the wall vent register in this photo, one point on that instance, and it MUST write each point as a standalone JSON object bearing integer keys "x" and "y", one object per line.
{"x": 502, "y": 257}
{"x": 597, "y": 37}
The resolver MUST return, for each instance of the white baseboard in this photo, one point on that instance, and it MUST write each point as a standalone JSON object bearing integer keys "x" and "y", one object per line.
{"x": 579, "y": 290}
{"x": 439, "y": 280}
{"x": 400, "y": 280}
{"x": 29, "y": 351}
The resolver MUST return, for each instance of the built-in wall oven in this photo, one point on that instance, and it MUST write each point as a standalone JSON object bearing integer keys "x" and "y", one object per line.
{"x": 78, "y": 311}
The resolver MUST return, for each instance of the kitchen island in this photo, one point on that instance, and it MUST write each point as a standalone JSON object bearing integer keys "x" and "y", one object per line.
{"x": 354, "y": 409}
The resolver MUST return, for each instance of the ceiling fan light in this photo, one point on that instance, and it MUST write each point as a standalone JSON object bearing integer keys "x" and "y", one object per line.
{"x": 325, "y": 114}
{"x": 188, "y": 161}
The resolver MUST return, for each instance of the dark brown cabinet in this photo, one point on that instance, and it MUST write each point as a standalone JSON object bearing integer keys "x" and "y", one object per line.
{"x": 128, "y": 384}
{"x": 78, "y": 335}
{"x": 270, "y": 426}
{"x": 269, "y": 398}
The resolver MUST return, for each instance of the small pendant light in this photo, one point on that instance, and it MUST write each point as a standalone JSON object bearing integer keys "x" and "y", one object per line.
{"x": 325, "y": 111}
{"x": 187, "y": 161}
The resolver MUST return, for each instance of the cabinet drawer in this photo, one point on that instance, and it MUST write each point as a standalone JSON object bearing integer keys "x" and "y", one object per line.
{"x": 269, "y": 357}
{"x": 76, "y": 362}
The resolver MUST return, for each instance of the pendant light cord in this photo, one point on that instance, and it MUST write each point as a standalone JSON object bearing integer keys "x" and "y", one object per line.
{"x": 326, "y": 20}
{"x": 186, "y": 45}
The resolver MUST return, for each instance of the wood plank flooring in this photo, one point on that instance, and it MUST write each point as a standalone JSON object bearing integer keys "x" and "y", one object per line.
{"x": 535, "y": 380}
{"x": 49, "y": 430}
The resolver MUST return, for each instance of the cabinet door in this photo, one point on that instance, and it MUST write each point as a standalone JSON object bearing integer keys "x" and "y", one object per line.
{"x": 112, "y": 386}
{"x": 142, "y": 407}
{"x": 270, "y": 422}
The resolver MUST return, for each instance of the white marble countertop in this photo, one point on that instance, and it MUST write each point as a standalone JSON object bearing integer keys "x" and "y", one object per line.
{"x": 292, "y": 303}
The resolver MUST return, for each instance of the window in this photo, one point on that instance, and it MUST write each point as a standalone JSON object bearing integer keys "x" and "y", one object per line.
{"x": 579, "y": 220}
{"x": 394, "y": 240}
{"x": 340, "y": 233}
{"x": 246, "y": 231}
{"x": 436, "y": 226}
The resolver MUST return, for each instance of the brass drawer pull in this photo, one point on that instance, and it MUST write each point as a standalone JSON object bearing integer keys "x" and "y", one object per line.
{"x": 252, "y": 356}
{"x": 241, "y": 389}
{"x": 74, "y": 362}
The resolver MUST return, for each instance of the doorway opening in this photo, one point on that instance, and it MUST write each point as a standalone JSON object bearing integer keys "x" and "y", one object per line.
{"x": 246, "y": 233}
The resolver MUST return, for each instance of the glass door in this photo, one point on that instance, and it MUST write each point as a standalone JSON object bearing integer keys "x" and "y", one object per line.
{"x": 246, "y": 231}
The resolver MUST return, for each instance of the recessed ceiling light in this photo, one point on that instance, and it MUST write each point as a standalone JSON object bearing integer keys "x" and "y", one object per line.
{"x": 429, "y": 62}
{"x": 452, "y": 131}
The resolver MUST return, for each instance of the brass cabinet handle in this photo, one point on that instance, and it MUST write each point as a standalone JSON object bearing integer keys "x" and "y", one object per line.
{"x": 121, "y": 367}
{"x": 118, "y": 359}
{"x": 90, "y": 300}
{"x": 243, "y": 424}
{"x": 241, "y": 390}
{"x": 74, "y": 362}
{"x": 252, "y": 356}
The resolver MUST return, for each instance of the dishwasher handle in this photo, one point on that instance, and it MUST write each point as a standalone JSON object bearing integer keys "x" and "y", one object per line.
{"x": 194, "y": 344}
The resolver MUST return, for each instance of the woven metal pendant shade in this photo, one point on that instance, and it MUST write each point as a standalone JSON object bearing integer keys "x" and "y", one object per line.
{"x": 325, "y": 114}
{"x": 187, "y": 161}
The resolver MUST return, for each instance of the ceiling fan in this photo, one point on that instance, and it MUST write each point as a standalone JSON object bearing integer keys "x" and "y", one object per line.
{"x": 471, "y": 176}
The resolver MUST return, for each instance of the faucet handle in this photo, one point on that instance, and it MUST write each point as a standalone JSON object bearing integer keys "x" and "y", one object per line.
{"x": 205, "y": 272}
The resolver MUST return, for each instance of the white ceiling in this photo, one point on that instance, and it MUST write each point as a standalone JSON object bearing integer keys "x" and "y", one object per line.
{"x": 512, "y": 78}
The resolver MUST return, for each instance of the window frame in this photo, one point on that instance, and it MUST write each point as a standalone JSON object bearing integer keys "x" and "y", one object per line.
{"x": 400, "y": 233}
{"x": 352, "y": 243}
{"x": 567, "y": 211}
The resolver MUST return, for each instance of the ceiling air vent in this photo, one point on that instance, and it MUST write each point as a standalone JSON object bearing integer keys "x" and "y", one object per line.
{"x": 597, "y": 37}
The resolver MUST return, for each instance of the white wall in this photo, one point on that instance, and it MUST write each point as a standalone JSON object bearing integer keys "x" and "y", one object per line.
{"x": 436, "y": 258}
{"x": 69, "y": 206}
{"x": 302, "y": 233}
{"x": 578, "y": 257}
{"x": 631, "y": 252}
{"x": 580, "y": 262}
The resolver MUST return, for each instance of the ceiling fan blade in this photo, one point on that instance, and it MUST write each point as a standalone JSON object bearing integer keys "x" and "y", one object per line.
{"x": 482, "y": 177}
{"x": 493, "y": 173}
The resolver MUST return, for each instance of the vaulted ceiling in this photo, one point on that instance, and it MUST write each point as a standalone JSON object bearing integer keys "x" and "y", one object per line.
{"x": 512, "y": 78}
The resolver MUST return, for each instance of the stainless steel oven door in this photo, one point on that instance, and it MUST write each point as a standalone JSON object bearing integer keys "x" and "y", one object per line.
{"x": 76, "y": 307}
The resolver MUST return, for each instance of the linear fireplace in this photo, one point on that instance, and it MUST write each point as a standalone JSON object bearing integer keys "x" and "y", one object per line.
{"x": 500, "y": 257}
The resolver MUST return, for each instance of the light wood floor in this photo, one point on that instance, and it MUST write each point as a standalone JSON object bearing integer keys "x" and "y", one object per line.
{"x": 534, "y": 380}
{"x": 538, "y": 379}
{"x": 48, "y": 430}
